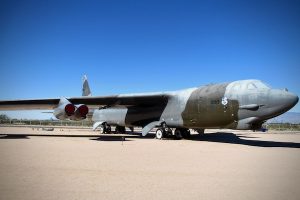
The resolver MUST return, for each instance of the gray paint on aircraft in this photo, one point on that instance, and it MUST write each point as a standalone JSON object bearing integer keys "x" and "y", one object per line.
{"x": 242, "y": 104}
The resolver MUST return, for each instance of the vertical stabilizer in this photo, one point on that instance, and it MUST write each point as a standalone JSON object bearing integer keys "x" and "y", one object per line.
{"x": 85, "y": 87}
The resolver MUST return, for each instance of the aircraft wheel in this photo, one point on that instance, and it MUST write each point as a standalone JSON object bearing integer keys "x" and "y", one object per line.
{"x": 108, "y": 129}
{"x": 167, "y": 132}
{"x": 178, "y": 134}
{"x": 117, "y": 130}
{"x": 101, "y": 129}
{"x": 200, "y": 131}
{"x": 159, "y": 133}
{"x": 186, "y": 133}
{"x": 120, "y": 130}
{"x": 131, "y": 129}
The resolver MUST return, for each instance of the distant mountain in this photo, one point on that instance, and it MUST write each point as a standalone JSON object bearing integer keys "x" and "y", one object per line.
{"x": 289, "y": 117}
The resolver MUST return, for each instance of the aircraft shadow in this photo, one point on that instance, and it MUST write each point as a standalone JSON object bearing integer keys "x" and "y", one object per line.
{"x": 104, "y": 137}
{"x": 26, "y": 136}
{"x": 124, "y": 138}
{"x": 13, "y": 137}
{"x": 231, "y": 138}
{"x": 219, "y": 137}
{"x": 111, "y": 138}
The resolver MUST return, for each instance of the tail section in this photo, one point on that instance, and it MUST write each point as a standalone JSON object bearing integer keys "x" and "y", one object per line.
{"x": 85, "y": 87}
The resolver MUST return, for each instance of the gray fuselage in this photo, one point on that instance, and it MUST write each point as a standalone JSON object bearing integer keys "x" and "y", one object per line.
{"x": 242, "y": 104}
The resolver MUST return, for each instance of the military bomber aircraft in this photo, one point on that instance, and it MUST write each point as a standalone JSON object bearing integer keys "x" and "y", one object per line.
{"x": 242, "y": 105}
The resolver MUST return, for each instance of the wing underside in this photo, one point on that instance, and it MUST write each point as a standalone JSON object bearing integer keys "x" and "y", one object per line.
{"x": 91, "y": 102}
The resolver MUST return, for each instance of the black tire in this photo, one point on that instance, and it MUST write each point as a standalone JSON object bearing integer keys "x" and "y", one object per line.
{"x": 200, "y": 131}
{"x": 123, "y": 130}
{"x": 186, "y": 133}
{"x": 117, "y": 130}
{"x": 108, "y": 129}
{"x": 120, "y": 130}
{"x": 178, "y": 134}
{"x": 168, "y": 132}
{"x": 101, "y": 129}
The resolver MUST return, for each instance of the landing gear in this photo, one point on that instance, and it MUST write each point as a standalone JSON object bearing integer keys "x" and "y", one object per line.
{"x": 164, "y": 132}
{"x": 180, "y": 133}
{"x": 120, "y": 130}
{"x": 200, "y": 131}
{"x": 104, "y": 128}
{"x": 159, "y": 133}
{"x": 101, "y": 129}
{"x": 108, "y": 129}
{"x": 186, "y": 133}
{"x": 131, "y": 129}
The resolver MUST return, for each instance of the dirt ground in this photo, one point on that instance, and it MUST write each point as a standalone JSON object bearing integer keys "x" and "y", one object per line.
{"x": 78, "y": 164}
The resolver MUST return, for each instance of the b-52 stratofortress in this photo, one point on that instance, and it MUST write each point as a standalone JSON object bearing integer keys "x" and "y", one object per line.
{"x": 241, "y": 105}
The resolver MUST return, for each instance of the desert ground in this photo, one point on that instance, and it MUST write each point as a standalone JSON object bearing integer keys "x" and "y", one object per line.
{"x": 81, "y": 164}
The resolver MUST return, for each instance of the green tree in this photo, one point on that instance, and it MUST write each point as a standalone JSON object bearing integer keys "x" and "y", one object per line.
{"x": 4, "y": 117}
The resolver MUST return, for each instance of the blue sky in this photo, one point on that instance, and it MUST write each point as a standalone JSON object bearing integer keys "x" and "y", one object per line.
{"x": 141, "y": 46}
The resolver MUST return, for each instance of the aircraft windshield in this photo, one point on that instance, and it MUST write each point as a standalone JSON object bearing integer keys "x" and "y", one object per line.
{"x": 261, "y": 85}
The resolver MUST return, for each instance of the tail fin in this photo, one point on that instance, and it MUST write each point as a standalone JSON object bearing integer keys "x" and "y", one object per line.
{"x": 85, "y": 87}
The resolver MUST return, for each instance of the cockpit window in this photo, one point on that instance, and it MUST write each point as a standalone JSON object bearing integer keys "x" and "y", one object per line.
{"x": 236, "y": 87}
{"x": 261, "y": 85}
{"x": 251, "y": 86}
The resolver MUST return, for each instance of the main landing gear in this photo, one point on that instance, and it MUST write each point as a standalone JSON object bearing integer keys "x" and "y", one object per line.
{"x": 165, "y": 132}
{"x": 120, "y": 130}
{"x": 104, "y": 128}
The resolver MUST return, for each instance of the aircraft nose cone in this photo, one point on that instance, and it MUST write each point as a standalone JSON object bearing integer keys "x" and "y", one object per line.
{"x": 282, "y": 101}
{"x": 294, "y": 99}
{"x": 290, "y": 100}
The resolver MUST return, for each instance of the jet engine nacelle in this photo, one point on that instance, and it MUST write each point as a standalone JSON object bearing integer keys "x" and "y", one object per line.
{"x": 64, "y": 111}
{"x": 80, "y": 113}
{"x": 67, "y": 110}
{"x": 112, "y": 116}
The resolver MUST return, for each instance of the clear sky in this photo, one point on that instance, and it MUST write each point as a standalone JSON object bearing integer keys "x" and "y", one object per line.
{"x": 142, "y": 46}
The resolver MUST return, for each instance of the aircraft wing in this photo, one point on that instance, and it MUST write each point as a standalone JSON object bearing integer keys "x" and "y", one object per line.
{"x": 143, "y": 100}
